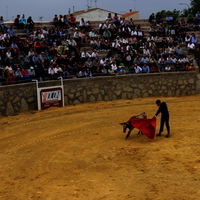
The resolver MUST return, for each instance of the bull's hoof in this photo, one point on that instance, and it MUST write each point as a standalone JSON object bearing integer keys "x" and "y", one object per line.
{"x": 159, "y": 134}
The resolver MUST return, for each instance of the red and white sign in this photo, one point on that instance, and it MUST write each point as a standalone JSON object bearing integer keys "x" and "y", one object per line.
{"x": 50, "y": 96}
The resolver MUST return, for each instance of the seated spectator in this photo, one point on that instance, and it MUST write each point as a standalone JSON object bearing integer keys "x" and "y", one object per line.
{"x": 190, "y": 18}
{"x": 92, "y": 34}
{"x": 168, "y": 68}
{"x": 169, "y": 19}
{"x": 55, "y": 20}
{"x": 25, "y": 75}
{"x": 72, "y": 21}
{"x": 76, "y": 36}
{"x": 61, "y": 22}
{"x": 85, "y": 73}
{"x": 3, "y": 27}
{"x": 66, "y": 22}
{"x": 30, "y": 23}
{"x": 14, "y": 46}
{"x": 161, "y": 64}
{"x": 102, "y": 27}
{"x": 194, "y": 40}
{"x": 109, "y": 18}
{"x": 113, "y": 68}
{"x": 9, "y": 77}
{"x": 116, "y": 20}
{"x": 83, "y": 36}
{"x": 171, "y": 50}
{"x": 121, "y": 69}
{"x": 52, "y": 71}
{"x": 96, "y": 65}
{"x": 72, "y": 44}
{"x": 82, "y": 24}
{"x": 11, "y": 32}
{"x": 158, "y": 18}
{"x": 16, "y": 22}
{"x": 152, "y": 30}
{"x": 23, "y": 22}
{"x": 145, "y": 68}
{"x": 104, "y": 71}
{"x": 31, "y": 72}
{"x": 144, "y": 59}
{"x": 84, "y": 56}
{"x": 131, "y": 24}
{"x": 94, "y": 55}
{"x": 18, "y": 75}
{"x": 179, "y": 52}
{"x": 112, "y": 28}
{"x": 152, "y": 19}
{"x": 137, "y": 69}
{"x": 191, "y": 48}
{"x": 88, "y": 26}
{"x": 153, "y": 64}
{"x": 107, "y": 34}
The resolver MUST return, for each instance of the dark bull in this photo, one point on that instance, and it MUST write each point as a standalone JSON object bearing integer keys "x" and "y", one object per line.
{"x": 127, "y": 125}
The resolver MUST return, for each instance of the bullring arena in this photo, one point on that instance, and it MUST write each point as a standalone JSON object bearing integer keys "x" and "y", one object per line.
{"x": 80, "y": 153}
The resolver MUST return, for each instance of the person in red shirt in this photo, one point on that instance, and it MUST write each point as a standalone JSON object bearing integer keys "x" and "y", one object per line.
{"x": 72, "y": 21}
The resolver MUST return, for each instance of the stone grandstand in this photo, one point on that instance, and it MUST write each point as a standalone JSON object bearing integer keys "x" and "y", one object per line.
{"x": 142, "y": 24}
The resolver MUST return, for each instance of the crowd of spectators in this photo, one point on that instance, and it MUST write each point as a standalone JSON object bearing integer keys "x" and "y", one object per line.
{"x": 48, "y": 53}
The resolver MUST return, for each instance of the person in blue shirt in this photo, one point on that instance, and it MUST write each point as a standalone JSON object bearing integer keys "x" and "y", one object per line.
{"x": 22, "y": 21}
{"x": 145, "y": 68}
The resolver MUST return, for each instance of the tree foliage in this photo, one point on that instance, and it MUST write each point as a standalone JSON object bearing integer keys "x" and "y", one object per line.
{"x": 165, "y": 13}
{"x": 195, "y": 6}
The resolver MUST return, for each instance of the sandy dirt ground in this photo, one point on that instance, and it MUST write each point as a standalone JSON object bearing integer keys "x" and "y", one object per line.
{"x": 80, "y": 153}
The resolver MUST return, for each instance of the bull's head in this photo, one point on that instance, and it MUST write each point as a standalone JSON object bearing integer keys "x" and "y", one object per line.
{"x": 125, "y": 125}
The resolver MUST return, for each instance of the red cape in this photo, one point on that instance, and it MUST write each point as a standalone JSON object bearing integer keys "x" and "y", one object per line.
{"x": 147, "y": 126}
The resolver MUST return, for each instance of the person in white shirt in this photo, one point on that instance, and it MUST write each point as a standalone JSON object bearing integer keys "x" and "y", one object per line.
{"x": 113, "y": 68}
{"x": 85, "y": 55}
{"x": 102, "y": 27}
{"x": 82, "y": 24}
{"x": 51, "y": 71}
{"x": 191, "y": 48}
{"x": 94, "y": 55}
{"x": 137, "y": 69}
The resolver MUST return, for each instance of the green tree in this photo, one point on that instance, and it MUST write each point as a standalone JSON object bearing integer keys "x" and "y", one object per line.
{"x": 195, "y": 5}
{"x": 165, "y": 13}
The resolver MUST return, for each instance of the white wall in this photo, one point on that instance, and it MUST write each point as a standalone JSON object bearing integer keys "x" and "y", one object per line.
{"x": 96, "y": 15}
